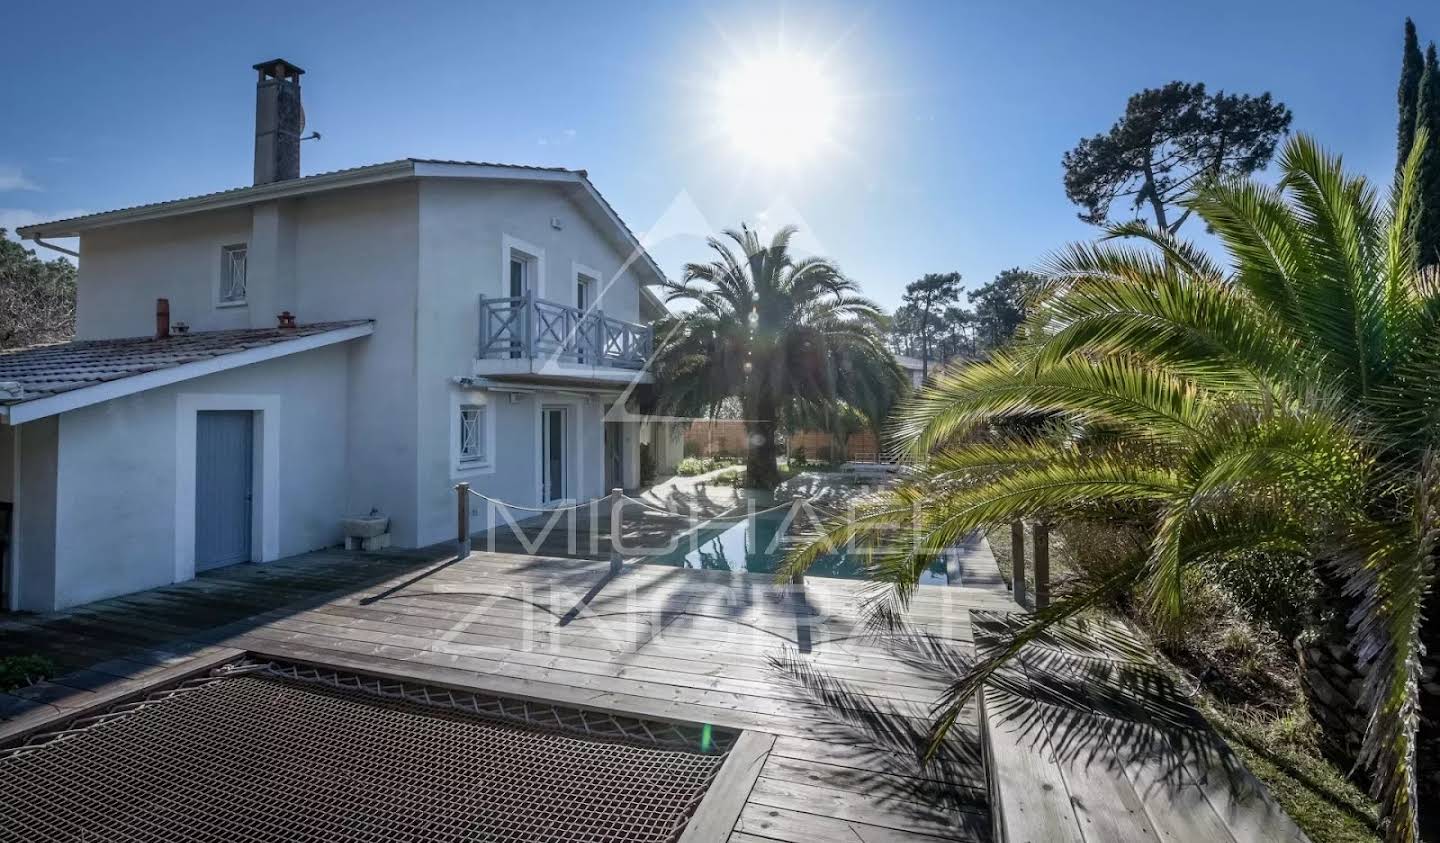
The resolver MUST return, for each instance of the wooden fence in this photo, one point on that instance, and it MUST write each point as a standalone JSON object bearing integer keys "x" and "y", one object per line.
{"x": 727, "y": 438}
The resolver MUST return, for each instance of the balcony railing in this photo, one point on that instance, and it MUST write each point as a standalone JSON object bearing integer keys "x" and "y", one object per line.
{"x": 527, "y": 328}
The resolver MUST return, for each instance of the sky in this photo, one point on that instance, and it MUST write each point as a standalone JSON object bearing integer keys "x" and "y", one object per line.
{"x": 910, "y": 137}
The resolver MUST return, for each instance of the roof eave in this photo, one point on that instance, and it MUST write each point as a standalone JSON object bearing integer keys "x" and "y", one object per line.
{"x": 74, "y": 399}
{"x": 375, "y": 173}
{"x": 226, "y": 199}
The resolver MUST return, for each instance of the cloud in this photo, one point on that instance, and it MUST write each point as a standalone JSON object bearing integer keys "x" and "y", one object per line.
{"x": 13, "y": 218}
{"x": 564, "y": 136}
{"x": 11, "y": 178}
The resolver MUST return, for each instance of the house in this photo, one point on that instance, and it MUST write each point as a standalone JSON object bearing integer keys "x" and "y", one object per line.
{"x": 914, "y": 369}
{"x": 252, "y": 365}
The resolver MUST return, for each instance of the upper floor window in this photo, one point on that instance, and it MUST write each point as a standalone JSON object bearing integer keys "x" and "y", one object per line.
{"x": 584, "y": 292}
{"x": 472, "y": 434}
{"x": 522, "y": 271}
{"x": 232, "y": 275}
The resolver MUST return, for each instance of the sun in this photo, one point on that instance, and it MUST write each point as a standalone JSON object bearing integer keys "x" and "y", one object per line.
{"x": 777, "y": 109}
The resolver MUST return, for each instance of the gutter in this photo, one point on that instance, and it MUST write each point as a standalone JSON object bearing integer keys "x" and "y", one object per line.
{"x": 490, "y": 385}
{"x": 51, "y": 246}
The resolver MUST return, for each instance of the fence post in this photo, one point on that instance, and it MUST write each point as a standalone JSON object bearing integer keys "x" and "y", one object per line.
{"x": 617, "y": 501}
{"x": 1040, "y": 538}
{"x": 484, "y": 327}
{"x": 1017, "y": 561}
{"x": 529, "y": 324}
{"x": 462, "y": 519}
{"x": 600, "y": 337}
{"x": 796, "y": 500}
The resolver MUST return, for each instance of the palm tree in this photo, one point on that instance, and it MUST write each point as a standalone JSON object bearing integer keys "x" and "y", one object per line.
{"x": 784, "y": 335}
{"x": 1288, "y": 402}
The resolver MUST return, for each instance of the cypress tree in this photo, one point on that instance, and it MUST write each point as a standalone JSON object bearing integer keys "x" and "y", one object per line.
{"x": 1427, "y": 222}
{"x": 1412, "y": 66}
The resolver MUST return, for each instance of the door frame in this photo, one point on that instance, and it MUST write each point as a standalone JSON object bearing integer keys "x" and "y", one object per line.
{"x": 580, "y": 411}
{"x": 264, "y": 484}
{"x": 245, "y": 470}
{"x": 567, "y": 468}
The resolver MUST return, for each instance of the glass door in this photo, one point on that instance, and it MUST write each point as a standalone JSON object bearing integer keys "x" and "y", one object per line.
{"x": 519, "y": 283}
{"x": 552, "y": 454}
{"x": 583, "y": 286}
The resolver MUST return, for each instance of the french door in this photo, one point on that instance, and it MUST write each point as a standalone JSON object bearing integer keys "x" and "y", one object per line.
{"x": 554, "y": 468}
{"x": 519, "y": 283}
{"x": 583, "y": 287}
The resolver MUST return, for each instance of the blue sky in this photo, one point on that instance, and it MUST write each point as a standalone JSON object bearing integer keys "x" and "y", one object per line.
{"x": 946, "y": 140}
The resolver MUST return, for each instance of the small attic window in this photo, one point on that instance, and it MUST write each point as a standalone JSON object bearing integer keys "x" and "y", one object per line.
{"x": 232, "y": 275}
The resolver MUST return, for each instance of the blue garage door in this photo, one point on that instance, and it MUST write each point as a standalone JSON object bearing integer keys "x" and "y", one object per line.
{"x": 224, "y": 443}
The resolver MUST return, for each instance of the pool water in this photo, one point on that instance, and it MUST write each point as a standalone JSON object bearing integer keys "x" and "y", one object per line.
{"x": 758, "y": 545}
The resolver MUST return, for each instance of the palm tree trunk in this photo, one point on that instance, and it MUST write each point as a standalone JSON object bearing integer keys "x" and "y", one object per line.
{"x": 762, "y": 471}
{"x": 1427, "y": 744}
{"x": 1330, "y": 675}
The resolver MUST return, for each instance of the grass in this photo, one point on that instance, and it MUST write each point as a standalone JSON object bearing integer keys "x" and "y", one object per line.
{"x": 20, "y": 671}
{"x": 1281, "y": 752}
{"x": 691, "y": 466}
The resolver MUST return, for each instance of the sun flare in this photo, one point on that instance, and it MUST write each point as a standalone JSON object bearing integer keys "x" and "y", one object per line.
{"x": 777, "y": 109}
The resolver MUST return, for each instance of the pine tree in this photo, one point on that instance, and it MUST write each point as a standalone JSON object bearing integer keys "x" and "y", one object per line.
{"x": 1427, "y": 216}
{"x": 1412, "y": 66}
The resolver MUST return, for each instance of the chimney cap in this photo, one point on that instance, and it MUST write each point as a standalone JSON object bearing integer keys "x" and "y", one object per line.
{"x": 279, "y": 69}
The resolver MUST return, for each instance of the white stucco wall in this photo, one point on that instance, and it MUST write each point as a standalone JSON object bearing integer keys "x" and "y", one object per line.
{"x": 357, "y": 257}
{"x": 125, "y": 268}
{"x": 37, "y": 488}
{"x": 415, "y": 257}
{"x": 462, "y": 230}
{"x": 115, "y": 521}
{"x": 352, "y": 254}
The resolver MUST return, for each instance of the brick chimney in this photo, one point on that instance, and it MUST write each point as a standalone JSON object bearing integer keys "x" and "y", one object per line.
{"x": 279, "y": 121}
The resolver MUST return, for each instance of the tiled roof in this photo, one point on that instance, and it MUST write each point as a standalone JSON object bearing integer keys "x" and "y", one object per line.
{"x": 44, "y": 370}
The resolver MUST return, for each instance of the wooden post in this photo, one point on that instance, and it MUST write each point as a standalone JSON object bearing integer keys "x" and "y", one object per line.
{"x": 617, "y": 501}
{"x": 484, "y": 327}
{"x": 462, "y": 519}
{"x": 798, "y": 578}
{"x": 1017, "y": 561}
{"x": 1040, "y": 538}
{"x": 529, "y": 324}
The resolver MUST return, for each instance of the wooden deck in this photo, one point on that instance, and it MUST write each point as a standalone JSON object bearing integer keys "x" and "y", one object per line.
{"x": 1089, "y": 740}
{"x": 655, "y": 642}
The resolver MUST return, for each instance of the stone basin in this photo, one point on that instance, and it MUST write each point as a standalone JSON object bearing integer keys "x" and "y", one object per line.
{"x": 364, "y": 526}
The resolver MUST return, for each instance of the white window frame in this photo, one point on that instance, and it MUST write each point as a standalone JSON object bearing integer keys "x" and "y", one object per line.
{"x": 529, "y": 253}
{"x": 225, "y": 263}
{"x": 594, "y": 280}
{"x": 477, "y": 437}
{"x": 462, "y": 465}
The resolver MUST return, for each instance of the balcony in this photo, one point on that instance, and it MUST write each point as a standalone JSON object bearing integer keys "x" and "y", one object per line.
{"x": 526, "y": 335}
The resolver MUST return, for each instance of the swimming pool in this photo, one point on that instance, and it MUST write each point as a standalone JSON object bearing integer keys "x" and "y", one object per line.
{"x": 758, "y": 545}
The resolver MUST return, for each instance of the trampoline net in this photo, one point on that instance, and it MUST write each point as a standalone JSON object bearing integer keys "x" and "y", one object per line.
{"x": 272, "y": 751}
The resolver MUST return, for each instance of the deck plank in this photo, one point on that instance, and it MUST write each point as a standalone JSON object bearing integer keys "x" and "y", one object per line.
{"x": 656, "y": 642}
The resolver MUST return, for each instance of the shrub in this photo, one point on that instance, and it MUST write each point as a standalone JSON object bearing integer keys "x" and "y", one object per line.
{"x": 19, "y": 671}
{"x": 1272, "y": 589}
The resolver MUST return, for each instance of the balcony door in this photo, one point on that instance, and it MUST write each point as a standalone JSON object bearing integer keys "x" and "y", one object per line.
{"x": 584, "y": 300}
{"x": 554, "y": 467}
{"x": 521, "y": 269}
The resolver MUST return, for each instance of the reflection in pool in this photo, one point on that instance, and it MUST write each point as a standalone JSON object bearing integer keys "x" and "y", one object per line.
{"x": 758, "y": 545}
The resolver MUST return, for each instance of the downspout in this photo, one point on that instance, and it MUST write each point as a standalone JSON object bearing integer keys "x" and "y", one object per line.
{"x": 61, "y": 249}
